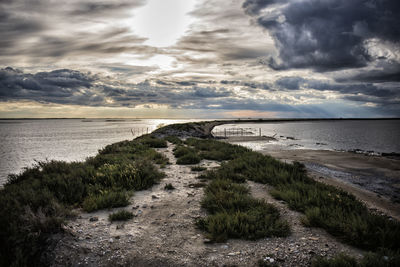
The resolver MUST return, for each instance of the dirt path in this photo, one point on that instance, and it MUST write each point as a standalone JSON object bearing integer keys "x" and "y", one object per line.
{"x": 163, "y": 232}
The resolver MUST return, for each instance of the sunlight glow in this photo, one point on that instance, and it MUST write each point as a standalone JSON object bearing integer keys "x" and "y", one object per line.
{"x": 163, "y": 22}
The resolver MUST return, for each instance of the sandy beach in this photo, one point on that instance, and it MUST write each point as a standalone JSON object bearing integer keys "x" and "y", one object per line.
{"x": 375, "y": 180}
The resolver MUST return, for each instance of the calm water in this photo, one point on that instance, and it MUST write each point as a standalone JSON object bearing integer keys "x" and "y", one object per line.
{"x": 24, "y": 141}
{"x": 373, "y": 135}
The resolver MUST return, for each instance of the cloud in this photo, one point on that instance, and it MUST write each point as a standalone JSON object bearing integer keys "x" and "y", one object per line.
{"x": 348, "y": 91}
{"x": 326, "y": 35}
{"x": 290, "y": 83}
{"x": 48, "y": 31}
{"x": 73, "y": 87}
{"x": 253, "y": 7}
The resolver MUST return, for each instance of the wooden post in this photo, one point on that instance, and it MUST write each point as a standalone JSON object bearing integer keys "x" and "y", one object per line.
{"x": 225, "y": 132}
{"x": 260, "y": 131}
{"x": 242, "y": 131}
{"x": 147, "y": 130}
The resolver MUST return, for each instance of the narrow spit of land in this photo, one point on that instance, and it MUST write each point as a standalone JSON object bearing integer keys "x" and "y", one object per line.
{"x": 167, "y": 209}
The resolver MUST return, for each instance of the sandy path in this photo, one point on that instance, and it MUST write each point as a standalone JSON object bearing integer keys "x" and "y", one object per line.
{"x": 163, "y": 232}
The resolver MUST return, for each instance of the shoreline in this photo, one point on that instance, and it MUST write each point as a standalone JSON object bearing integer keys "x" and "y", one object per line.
{"x": 373, "y": 179}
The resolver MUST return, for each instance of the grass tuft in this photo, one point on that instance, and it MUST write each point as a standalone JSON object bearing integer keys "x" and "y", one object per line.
{"x": 121, "y": 215}
{"x": 169, "y": 187}
{"x": 198, "y": 169}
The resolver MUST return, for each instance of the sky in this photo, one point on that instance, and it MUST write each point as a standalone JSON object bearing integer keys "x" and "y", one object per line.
{"x": 199, "y": 58}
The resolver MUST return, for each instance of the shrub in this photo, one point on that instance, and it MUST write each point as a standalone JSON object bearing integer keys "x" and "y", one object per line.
{"x": 190, "y": 158}
{"x": 173, "y": 139}
{"x": 169, "y": 187}
{"x": 181, "y": 151}
{"x": 198, "y": 169}
{"x": 235, "y": 214}
{"x": 110, "y": 199}
{"x": 152, "y": 141}
{"x": 121, "y": 215}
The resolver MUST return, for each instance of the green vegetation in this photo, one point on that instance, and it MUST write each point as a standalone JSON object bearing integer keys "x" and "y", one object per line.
{"x": 340, "y": 213}
{"x": 187, "y": 159}
{"x": 198, "y": 169}
{"x": 216, "y": 150}
{"x": 186, "y": 155}
{"x": 110, "y": 199}
{"x": 169, "y": 187}
{"x": 195, "y": 150}
{"x": 235, "y": 214}
{"x": 34, "y": 204}
{"x": 173, "y": 139}
{"x": 121, "y": 215}
{"x": 381, "y": 259}
{"x": 152, "y": 141}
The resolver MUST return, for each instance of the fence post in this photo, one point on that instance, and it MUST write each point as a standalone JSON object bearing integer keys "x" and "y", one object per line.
{"x": 147, "y": 130}
{"x": 260, "y": 131}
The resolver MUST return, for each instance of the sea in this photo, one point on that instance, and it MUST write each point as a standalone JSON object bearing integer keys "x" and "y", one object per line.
{"x": 25, "y": 142}
{"x": 359, "y": 136}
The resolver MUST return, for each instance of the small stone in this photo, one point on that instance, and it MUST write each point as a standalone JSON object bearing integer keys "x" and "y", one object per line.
{"x": 171, "y": 215}
{"x": 154, "y": 197}
{"x": 231, "y": 254}
{"x": 151, "y": 207}
{"x": 117, "y": 237}
{"x": 120, "y": 226}
{"x": 94, "y": 219}
{"x": 111, "y": 240}
{"x": 224, "y": 246}
{"x": 144, "y": 206}
{"x": 206, "y": 241}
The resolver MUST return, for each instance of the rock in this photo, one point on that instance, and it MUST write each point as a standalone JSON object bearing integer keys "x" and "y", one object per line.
{"x": 171, "y": 215}
{"x": 224, "y": 246}
{"x": 154, "y": 197}
{"x": 144, "y": 206}
{"x": 94, "y": 219}
{"x": 206, "y": 241}
{"x": 111, "y": 240}
{"x": 120, "y": 226}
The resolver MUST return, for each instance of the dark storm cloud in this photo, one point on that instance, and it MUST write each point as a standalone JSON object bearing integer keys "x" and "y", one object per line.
{"x": 66, "y": 86}
{"x": 387, "y": 72}
{"x": 252, "y": 85}
{"x": 356, "y": 89}
{"x": 62, "y": 86}
{"x": 208, "y": 92}
{"x": 290, "y": 83}
{"x": 327, "y": 35}
{"x": 253, "y": 7}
